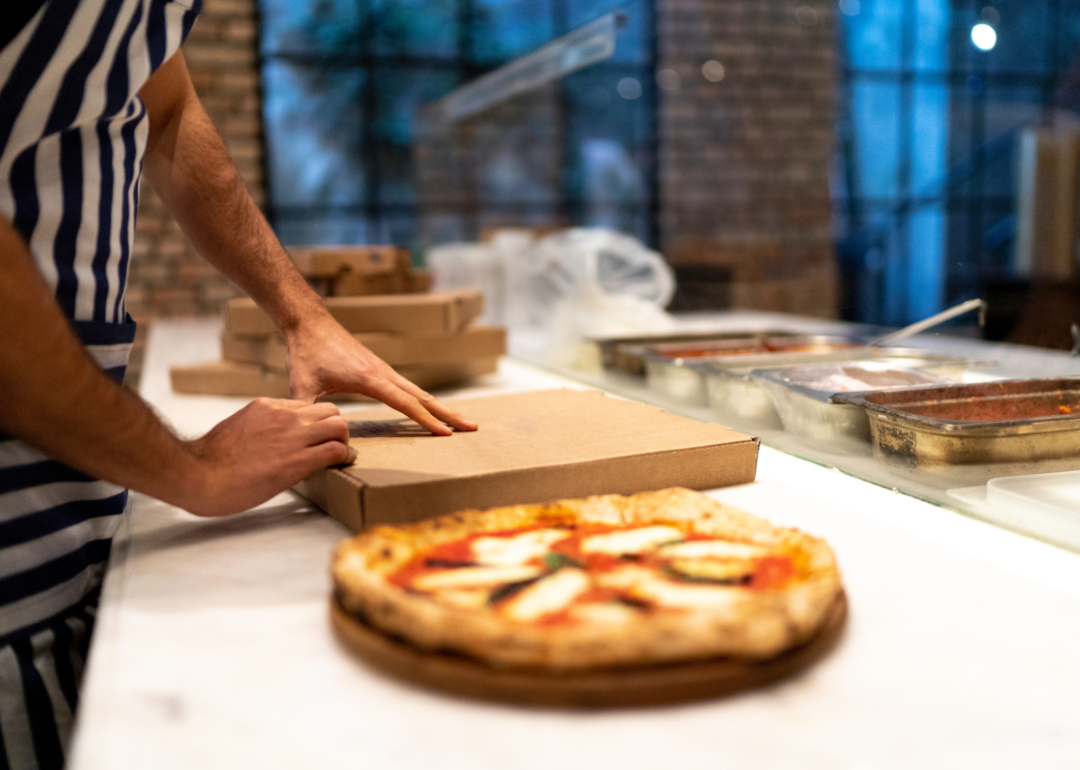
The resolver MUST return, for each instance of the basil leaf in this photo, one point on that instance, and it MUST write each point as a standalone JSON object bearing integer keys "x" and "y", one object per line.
{"x": 504, "y": 592}
{"x": 556, "y": 561}
{"x": 736, "y": 580}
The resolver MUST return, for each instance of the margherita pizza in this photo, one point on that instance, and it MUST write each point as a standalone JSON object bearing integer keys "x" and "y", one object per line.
{"x": 657, "y": 577}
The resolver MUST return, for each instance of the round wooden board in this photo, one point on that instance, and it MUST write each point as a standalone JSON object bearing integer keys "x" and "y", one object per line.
{"x": 595, "y": 688}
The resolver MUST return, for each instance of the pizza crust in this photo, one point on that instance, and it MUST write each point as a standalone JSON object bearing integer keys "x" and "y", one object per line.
{"x": 716, "y": 621}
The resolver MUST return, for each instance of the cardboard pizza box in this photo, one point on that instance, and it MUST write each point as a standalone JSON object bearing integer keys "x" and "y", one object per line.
{"x": 420, "y": 280}
{"x": 400, "y": 350}
{"x": 228, "y": 378}
{"x": 395, "y": 349}
{"x": 434, "y": 313}
{"x": 531, "y": 447}
{"x": 363, "y": 284}
{"x": 244, "y": 348}
{"x": 332, "y": 261}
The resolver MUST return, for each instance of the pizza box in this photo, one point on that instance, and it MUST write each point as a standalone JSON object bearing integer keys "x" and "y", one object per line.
{"x": 229, "y": 378}
{"x": 432, "y": 313}
{"x": 332, "y": 261}
{"x": 394, "y": 349}
{"x": 531, "y": 447}
{"x": 402, "y": 350}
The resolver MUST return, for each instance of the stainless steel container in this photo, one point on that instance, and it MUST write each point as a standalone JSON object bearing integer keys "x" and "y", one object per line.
{"x": 676, "y": 370}
{"x": 806, "y": 398}
{"x": 967, "y": 434}
{"x": 738, "y": 397}
{"x": 622, "y": 354}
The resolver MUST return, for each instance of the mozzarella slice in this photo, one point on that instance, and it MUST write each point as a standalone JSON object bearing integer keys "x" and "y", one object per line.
{"x": 714, "y": 569}
{"x": 474, "y": 576}
{"x": 717, "y": 549}
{"x": 516, "y": 550}
{"x": 608, "y": 613}
{"x": 552, "y": 594}
{"x": 687, "y": 597}
{"x": 643, "y": 584}
{"x": 630, "y": 540}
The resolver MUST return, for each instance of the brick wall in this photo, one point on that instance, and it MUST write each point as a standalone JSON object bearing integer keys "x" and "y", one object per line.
{"x": 744, "y": 161}
{"x": 168, "y": 277}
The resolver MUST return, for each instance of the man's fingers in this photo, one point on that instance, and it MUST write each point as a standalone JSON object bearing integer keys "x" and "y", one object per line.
{"x": 433, "y": 406}
{"x": 312, "y": 413}
{"x": 410, "y": 406}
{"x": 326, "y": 454}
{"x": 330, "y": 429}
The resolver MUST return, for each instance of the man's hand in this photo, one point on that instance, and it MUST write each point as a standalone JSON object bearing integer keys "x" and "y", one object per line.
{"x": 267, "y": 446}
{"x": 188, "y": 166}
{"x": 324, "y": 359}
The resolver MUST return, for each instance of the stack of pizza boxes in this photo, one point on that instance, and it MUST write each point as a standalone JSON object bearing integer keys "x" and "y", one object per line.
{"x": 431, "y": 338}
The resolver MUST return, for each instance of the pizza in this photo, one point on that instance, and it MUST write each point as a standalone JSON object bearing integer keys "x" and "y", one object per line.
{"x": 657, "y": 577}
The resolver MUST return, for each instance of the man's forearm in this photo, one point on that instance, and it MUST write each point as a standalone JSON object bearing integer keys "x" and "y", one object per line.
{"x": 59, "y": 401}
{"x": 189, "y": 167}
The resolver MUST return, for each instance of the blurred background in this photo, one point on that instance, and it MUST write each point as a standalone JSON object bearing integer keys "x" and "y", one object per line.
{"x": 871, "y": 160}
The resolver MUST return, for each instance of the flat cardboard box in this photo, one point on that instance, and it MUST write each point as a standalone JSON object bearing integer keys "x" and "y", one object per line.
{"x": 400, "y": 350}
{"x": 394, "y": 349}
{"x": 228, "y": 378}
{"x": 531, "y": 447}
{"x": 433, "y": 313}
{"x": 331, "y": 261}
{"x": 365, "y": 285}
{"x": 245, "y": 348}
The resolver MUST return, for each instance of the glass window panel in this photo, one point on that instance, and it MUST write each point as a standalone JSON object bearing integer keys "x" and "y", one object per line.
{"x": 926, "y": 255}
{"x": 610, "y": 135}
{"x": 931, "y": 35}
{"x": 508, "y": 29}
{"x": 873, "y": 34}
{"x": 315, "y": 228}
{"x": 401, "y": 93}
{"x": 324, "y": 27}
{"x": 875, "y": 115}
{"x": 632, "y": 40}
{"x": 1067, "y": 25}
{"x": 312, "y": 115}
{"x": 418, "y": 28}
{"x": 583, "y": 11}
{"x": 1023, "y": 35}
{"x": 518, "y": 156}
{"x": 1008, "y": 109}
{"x": 929, "y": 132}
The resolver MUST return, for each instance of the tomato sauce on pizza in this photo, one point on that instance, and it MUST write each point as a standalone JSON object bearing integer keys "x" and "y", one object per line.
{"x": 564, "y": 567}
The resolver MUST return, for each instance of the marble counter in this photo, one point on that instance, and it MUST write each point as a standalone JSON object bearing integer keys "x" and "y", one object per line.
{"x": 214, "y": 648}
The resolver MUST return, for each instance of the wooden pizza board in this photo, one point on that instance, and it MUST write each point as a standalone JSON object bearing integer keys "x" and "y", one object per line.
{"x": 596, "y": 688}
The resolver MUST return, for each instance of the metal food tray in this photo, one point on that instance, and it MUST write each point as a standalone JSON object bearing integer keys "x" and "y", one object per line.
{"x": 622, "y": 354}
{"x": 812, "y": 413}
{"x": 738, "y": 397}
{"x": 683, "y": 378}
{"x": 968, "y": 434}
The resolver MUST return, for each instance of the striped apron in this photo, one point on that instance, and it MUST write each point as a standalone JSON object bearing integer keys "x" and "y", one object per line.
{"x": 72, "y": 135}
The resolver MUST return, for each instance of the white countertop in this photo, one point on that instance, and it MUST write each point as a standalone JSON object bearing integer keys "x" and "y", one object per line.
{"x": 214, "y": 650}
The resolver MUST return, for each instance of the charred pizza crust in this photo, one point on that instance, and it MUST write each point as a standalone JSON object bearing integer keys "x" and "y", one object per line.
{"x": 717, "y": 621}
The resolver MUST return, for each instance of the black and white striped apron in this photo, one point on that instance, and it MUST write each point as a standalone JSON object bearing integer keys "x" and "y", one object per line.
{"x": 72, "y": 135}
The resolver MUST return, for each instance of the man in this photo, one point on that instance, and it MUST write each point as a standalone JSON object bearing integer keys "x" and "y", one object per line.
{"x": 92, "y": 92}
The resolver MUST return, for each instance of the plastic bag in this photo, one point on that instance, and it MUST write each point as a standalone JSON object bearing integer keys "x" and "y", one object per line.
{"x": 583, "y": 283}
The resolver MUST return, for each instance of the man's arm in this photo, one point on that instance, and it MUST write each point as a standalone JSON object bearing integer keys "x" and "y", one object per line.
{"x": 189, "y": 167}
{"x": 58, "y": 400}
